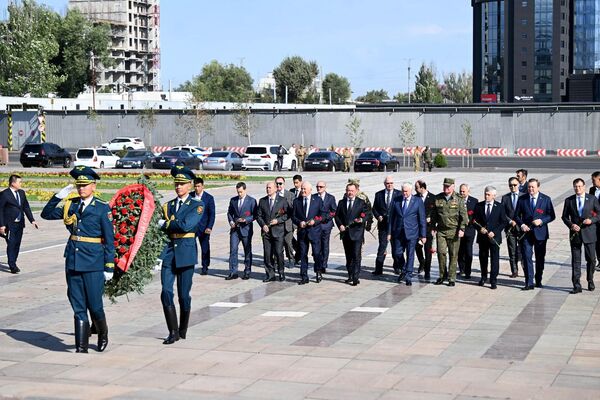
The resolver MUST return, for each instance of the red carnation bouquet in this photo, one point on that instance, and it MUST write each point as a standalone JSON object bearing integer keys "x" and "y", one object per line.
{"x": 132, "y": 208}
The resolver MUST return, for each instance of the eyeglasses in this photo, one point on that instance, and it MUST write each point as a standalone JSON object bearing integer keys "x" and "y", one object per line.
{"x": 513, "y": 185}
{"x": 279, "y": 183}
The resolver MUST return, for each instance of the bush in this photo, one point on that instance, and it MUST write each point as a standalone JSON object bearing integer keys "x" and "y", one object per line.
{"x": 440, "y": 161}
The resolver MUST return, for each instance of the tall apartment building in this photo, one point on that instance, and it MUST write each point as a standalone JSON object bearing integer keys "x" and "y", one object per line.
{"x": 135, "y": 49}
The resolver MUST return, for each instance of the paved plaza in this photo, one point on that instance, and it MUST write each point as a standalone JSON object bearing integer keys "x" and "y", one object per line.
{"x": 251, "y": 340}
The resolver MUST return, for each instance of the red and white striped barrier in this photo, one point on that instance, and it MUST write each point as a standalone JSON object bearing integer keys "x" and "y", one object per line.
{"x": 240, "y": 150}
{"x": 340, "y": 150}
{"x": 531, "y": 152}
{"x": 571, "y": 152}
{"x": 492, "y": 152}
{"x": 408, "y": 151}
{"x": 388, "y": 149}
{"x": 450, "y": 151}
{"x": 160, "y": 149}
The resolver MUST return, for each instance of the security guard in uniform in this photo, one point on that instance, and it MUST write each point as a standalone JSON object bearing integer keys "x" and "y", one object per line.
{"x": 347, "y": 159}
{"x": 182, "y": 216}
{"x": 449, "y": 219}
{"x": 89, "y": 254}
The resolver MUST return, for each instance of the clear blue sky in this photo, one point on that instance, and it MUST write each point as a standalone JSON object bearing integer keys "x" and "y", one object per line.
{"x": 369, "y": 42}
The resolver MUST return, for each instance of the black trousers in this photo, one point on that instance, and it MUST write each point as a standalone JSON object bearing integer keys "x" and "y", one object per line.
{"x": 14, "y": 235}
{"x": 204, "y": 241}
{"x": 514, "y": 249}
{"x": 465, "y": 254}
{"x": 590, "y": 261}
{"x": 488, "y": 249}
{"x": 325, "y": 238}
{"x": 424, "y": 254}
{"x": 352, "y": 249}
{"x": 273, "y": 254}
{"x": 287, "y": 244}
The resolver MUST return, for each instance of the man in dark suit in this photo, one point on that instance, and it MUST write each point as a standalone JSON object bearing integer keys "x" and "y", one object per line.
{"x": 522, "y": 178}
{"x": 296, "y": 192}
{"x": 272, "y": 214}
{"x": 580, "y": 214}
{"x": 534, "y": 213}
{"x": 308, "y": 214}
{"x": 330, "y": 206}
{"x": 289, "y": 227}
{"x": 595, "y": 190}
{"x": 350, "y": 220}
{"x": 465, "y": 249}
{"x": 381, "y": 208}
{"x": 490, "y": 218}
{"x": 14, "y": 207}
{"x": 407, "y": 224}
{"x": 512, "y": 230}
{"x": 240, "y": 214}
{"x": 425, "y": 251}
{"x": 206, "y": 223}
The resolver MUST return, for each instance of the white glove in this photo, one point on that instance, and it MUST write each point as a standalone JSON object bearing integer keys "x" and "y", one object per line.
{"x": 64, "y": 192}
{"x": 108, "y": 276}
{"x": 161, "y": 222}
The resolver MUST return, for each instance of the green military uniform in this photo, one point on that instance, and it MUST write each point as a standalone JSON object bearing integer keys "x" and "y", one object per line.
{"x": 347, "y": 159}
{"x": 448, "y": 217}
{"x": 301, "y": 155}
{"x": 427, "y": 159}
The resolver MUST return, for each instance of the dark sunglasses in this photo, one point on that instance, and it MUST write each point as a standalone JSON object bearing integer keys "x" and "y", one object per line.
{"x": 279, "y": 183}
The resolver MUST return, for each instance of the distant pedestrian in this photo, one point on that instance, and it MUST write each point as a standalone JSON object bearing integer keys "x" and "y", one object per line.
{"x": 417, "y": 159}
{"x": 427, "y": 159}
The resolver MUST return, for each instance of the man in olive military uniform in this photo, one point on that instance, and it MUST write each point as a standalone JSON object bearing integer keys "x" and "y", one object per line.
{"x": 347, "y": 159}
{"x": 449, "y": 219}
{"x": 301, "y": 155}
{"x": 182, "y": 215}
{"x": 89, "y": 254}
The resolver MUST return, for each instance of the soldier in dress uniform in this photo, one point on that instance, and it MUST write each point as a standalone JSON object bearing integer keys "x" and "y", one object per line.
{"x": 182, "y": 215}
{"x": 89, "y": 254}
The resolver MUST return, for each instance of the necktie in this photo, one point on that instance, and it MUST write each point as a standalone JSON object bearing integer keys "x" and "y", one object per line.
{"x": 19, "y": 202}
{"x": 387, "y": 200}
{"x": 306, "y": 207}
{"x": 240, "y": 202}
{"x": 488, "y": 210}
{"x": 514, "y": 200}
{"x": 404, "y": 203}
{"x": 350, "y": 204}
{"x": 270, "y": 204}
{"x": 18, "y": 198}
{"x": 532, "y": 204}
{"x": 179, "y": 203}
{"x": 580, "y": 206}
{"x": 80, "y": 209}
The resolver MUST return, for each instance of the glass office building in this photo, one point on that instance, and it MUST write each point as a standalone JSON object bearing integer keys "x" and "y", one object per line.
{"x": 586, "y": 36}
{"x": 492, "y": 54}
{"x": 543, "y": 28}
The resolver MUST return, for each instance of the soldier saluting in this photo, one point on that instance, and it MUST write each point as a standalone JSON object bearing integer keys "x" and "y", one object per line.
{"x": 89, "y": 254}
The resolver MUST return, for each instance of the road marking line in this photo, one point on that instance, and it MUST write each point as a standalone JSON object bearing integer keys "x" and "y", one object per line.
{"x": 40, "y": 249}
{"x": 370, "y": 309}
{"x": 291, "y": 314}
{"x": 226, "y": 304}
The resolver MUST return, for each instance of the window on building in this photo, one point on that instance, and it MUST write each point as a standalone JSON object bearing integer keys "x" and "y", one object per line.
{"x": 523, "y": 63}
{"x": 523, "y": 36}
{"x": 524, "y": 3}
{"x": 524, "y": 21}
{"x": 562, "y": 30}
{"x": 562, "y": 72}
{"x": 523, "y": 91}
{"x": 562, "y": 85}
{"x": 562, "y": 44}
{"x": 523, "y": 77}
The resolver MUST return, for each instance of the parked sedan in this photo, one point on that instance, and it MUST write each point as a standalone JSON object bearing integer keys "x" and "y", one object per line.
{"x": 223, "y": 160}
{"x": 136, "y": 159}
{"x": 324, "y": 161}
{"x": 376, "y": 161}
{"x": 167, "y": 159}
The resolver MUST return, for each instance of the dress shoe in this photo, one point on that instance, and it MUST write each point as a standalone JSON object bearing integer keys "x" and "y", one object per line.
{"x": 575, "y": 290}
{"x": 439, "y": 281}
{"x": 481, "y": 282}
{"x": 493, "y": 286}
{"x": 246, "y": 276}
{"x": 591, "y": 286}
{"x": 467, "y": 277}
{"x": 408, "y": 283}
{"x": 514, "y": 275}
{"x": 271, "y": 279}
{"x": 451, "y": 284}
{"x": 421, "y": 269}
{"x": 14, "y": 270}
{"x": 281, "y": 276}
{"x": 376, "y": 273}
{"x": 527, "y": 288}
{"x": 204, "y": 272}
{"x": 319, "y": 277}
{"x": 402, "y": 276}
{"x": 349, "y": 280}
{"x": 427, "y": 277}
{"x": 304, "y": 281}
{"x": 539, "y": 285}
{"x": 231, "y": 276}
{"x": 354, "y": 283}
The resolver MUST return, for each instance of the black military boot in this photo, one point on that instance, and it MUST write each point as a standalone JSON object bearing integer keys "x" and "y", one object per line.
{"x": 184, "y": 319}
{"x": 102, "y": 329}
{"x": 82, "y": 336}
{"x": 171, "y": 318}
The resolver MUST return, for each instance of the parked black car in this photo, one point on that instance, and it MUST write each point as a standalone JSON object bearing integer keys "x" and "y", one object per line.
{"x": 324, "y": 161}
{"x": 376, "y": 161}
{"x": 45, "y": 155}
{"x": 136, "y": 159}
{"x": 167, "y": 159}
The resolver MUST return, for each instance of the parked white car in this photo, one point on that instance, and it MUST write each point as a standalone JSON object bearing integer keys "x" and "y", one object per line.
{"x": 95, "y": 158}
{"x": 264, "y": 157}
{"x": 198, "y": 152}
{"x": 130, "y": 143}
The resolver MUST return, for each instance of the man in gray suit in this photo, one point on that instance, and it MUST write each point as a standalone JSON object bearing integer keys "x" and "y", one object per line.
{"x": 512, "y": 231}
{"x": 289, "y": 227}
{"x": 271, "y": 216}
{"x": 580, "y": 214}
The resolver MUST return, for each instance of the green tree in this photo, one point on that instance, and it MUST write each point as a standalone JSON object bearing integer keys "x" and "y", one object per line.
{"x": 77, "y": 38}
{"x": 427, "y": 86}
{"x": 401, "y": 97}
{"x": 355, "y": 132}
{"x": 146, "y": 119}
{"x": 468, "y": 137}
{"x": 458, "y": 88}
{"x": 219, "y": 82}
{"x": 374, "y": 96}
{"x": 28, "y": 43}
{"x": 408, "y": 136}
{"x": 339, "y": 86}
{"x": 297, "y": 75}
